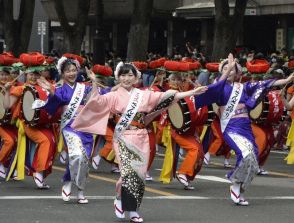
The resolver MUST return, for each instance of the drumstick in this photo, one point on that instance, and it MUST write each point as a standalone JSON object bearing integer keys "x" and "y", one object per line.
{"x": 100, "y": 85}
{"x": 161, "y": 81}
{"x": 284, "y": 87}
{"x": 17, "y": 77}
{"x": 153, "y": 82}
{"x": 191, "y": 82}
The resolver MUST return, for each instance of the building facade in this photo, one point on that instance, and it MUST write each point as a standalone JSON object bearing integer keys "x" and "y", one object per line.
{"x": 268, "y": 25}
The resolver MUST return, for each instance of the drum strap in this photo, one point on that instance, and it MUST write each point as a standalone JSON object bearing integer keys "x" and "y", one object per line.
{"x": 73, "y": 105}
{"x": 231, "y": 106}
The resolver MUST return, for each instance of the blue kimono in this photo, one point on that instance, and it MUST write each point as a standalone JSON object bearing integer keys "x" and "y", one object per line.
{"x": 79, "y": 144}
{"x": 238, "y": 133}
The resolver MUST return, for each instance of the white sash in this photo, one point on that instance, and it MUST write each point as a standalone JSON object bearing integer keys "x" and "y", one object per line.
{"x": 73, "y": 106}
{"x": 130, "y": 112}
{"x": 231, "y": 105}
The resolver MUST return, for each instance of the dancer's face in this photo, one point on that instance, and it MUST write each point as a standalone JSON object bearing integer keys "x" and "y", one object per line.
{"x": 70, "y": 74}
{"x": 127, "y": 80}
{"x": 4, "y": 77}
{"x": 32, "y": 77}
{"x": 232, "y": 75}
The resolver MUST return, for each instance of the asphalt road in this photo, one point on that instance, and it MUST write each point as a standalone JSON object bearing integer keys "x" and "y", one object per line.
{"x": 271, "y": 197}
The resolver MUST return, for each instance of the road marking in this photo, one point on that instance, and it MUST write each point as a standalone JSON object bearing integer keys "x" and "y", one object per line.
{"x": 110, "y": 180}
{"x": 280, "y": 152}
{"x": 213, "y": 178}
{"x": 147, "y": 197}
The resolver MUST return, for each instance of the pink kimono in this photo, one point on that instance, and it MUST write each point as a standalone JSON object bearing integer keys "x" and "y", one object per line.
{"x": 133, "y": 151}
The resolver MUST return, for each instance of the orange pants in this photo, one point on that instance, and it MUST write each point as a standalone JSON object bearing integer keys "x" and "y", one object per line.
{"x": 104, "y": 152}
{"x": 8, "y": 134}
{"x": 152, "y": 136}
{"x": 44, "y": 156}
{"x": 261, "y": 141}
{"x": 192, "y": 163}
{"x": 217, "y": 146}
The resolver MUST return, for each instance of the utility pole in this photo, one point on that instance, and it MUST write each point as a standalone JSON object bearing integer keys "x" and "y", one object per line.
{"x": 98, "y": 46}
{"x": 42, "y": 33}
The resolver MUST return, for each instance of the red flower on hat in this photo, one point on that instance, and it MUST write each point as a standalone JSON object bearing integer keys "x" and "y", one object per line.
{"x": 7, "y": 59}
{"x": 140, "y": 65}
{"x": 161, "y": 61}
{"x": 157, "y": 63}
{"x": 75, "y": 57}
{"x": 257, "y": 66}
{"x": 102, "y": 70}
{"x": 194, "y": 65}
{"x": 153, "y": 64}
{"x": 49, "y": 60}
{"x": 172, "y": 65}
{"x": 212, "y": 67}
{"x": 185, "y": 67}
{"x": 32, "y": 59}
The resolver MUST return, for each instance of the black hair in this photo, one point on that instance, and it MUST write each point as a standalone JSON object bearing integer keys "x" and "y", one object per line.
{"x": 66, "y": 64}
{"x": 126, "y": 68}
{"x": 6, "y": 70}
{"x": 225, "y": 63}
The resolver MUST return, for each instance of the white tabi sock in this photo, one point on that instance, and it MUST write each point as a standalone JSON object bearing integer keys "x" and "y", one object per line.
{"x": 63, "y": 157}
{"x": 38, "y": 178}
{"x": 235, "y": 192}
{"x": 95, "y": 161}
{"x": 206, "y": 158}
{"x": 2, "y": 171}
{"x": 135, "y": 217}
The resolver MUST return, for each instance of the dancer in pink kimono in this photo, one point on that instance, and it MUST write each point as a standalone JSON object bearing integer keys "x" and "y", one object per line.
{"x": 136, "y": 109}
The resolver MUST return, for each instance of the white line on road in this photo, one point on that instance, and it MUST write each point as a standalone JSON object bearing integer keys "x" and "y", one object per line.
{"x": 213, "y": 178}
{"x": 210, "y": 178}
{"x": 148, "y": 198}
{"x": 280, "y": 152}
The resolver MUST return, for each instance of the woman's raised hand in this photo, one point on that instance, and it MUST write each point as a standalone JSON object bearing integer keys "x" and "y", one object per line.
{"x": 231, "y": 62}
{"x": 42, "y": 82}
{"x": 91, "y": 74}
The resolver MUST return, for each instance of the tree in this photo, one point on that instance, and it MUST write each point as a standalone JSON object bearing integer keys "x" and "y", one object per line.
{"x": 139, "y": 30}
{"x": 73, "y": 34}
{"x": 17, "y": 32}
{"x": 227, "y": 28}
{"x": 99, "y": 38}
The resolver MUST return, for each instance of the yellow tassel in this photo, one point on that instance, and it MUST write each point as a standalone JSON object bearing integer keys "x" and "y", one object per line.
{"x": 60, "y": 144}
{"x": 19, "y": 159}
{"x": 203, "y": 132}
{"x": 165, "y": 176}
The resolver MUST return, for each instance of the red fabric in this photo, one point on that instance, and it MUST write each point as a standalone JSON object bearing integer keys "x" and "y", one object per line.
{"x": 75, "y": 57}
{"x": 102, "y": 70}
{"x": 291, "y": 64}
{"x": 184, "y": 66}
{"x": 212, "y": 67}
{"x": 140, "y": 65}
{"x": 152, "y": 143}
{"x": 32, "y": 59}
{"x": 257, "y": 66}
{"x": 7, "y": 59}
{"x": 194, "y": 65}
{"x": 172, "y": 65}
{"x": 49, "y": 60}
